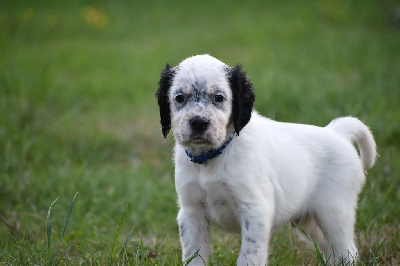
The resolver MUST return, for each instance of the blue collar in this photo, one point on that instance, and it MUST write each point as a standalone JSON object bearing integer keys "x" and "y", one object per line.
{"x": 210, "y": 154}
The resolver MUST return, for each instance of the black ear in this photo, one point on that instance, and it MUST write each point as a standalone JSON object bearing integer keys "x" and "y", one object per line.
{"x": 243, "y": 97}
{"x": 167, "y": 74}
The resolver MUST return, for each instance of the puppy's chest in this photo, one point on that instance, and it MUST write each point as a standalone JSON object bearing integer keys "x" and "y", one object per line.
{"x": 221, "y": 206}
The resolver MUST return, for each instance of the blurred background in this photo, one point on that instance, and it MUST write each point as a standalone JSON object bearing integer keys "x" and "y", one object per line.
{"x": 78, "y": 114}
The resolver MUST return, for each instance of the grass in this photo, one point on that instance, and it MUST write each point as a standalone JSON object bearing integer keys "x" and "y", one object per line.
{"x": 78, "y": 114}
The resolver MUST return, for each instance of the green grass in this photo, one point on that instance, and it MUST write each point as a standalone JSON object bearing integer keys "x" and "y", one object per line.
{"x": 78, "y": 114}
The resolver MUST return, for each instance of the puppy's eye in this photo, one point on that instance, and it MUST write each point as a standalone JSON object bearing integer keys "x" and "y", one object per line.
{"x": 218, "y": 98}
{"x": 180, "y": 98}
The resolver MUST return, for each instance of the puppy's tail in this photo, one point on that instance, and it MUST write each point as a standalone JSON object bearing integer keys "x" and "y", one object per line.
{"x": 355, "y": 131}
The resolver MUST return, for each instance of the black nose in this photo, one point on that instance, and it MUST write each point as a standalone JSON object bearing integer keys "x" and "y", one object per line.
{"x": 199, "y": 124}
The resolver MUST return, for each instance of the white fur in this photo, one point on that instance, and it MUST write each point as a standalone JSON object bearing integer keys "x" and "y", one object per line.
{"x": 270, "y": 174}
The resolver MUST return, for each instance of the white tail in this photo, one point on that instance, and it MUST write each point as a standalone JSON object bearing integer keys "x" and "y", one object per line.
{"x": 354, "y": 130}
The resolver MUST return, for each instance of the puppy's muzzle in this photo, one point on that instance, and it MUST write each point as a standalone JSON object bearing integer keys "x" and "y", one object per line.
{"x": 198, "y": 124}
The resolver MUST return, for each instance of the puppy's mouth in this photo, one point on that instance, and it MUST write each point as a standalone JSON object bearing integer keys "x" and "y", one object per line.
{"x": 198, "y": 141}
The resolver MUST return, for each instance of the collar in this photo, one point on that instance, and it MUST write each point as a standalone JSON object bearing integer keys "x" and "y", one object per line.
{"x": 201, "y": 158}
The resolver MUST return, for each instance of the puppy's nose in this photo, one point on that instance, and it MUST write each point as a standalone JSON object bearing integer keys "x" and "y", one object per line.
{"x": 199, "y": 124}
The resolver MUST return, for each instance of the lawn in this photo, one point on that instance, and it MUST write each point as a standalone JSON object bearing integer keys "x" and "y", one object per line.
{"x": 78, "y": 115}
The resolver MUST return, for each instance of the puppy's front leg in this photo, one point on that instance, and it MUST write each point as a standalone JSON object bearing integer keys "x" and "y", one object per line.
{"x": 194, "y": 229}
{"x": 255, "y": 231}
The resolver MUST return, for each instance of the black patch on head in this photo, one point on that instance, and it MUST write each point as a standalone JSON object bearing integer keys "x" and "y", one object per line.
{"x": 199, "y": 92}
{"x": 167, "y": 74}
{"x": 243, "y": 97}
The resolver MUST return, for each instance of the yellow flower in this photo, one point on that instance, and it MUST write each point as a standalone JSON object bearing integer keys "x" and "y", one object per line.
{"x": 95, "y": 17}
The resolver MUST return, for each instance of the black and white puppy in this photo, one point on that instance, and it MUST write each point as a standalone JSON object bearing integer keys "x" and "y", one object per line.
{"x": 248, "y": 174}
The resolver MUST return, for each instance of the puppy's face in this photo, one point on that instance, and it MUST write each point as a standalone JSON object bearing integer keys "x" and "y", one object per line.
{"x": 206, "y": 99}
{"x": 201, "y": 103}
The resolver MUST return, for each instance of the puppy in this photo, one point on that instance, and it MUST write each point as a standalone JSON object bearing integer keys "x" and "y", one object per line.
{"x": 248, "y": 174}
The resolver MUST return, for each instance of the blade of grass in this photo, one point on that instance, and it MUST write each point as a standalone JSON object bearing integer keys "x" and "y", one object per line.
{"x": 2, "y": 254}
{"x": 194, "y": 256}
{"x": 125, "y": 243}
{"x": 93, "y": 253}
{"x": 386, "y": 197}
{"x": 49, "y": 224}
{"x": 320, "y": 257}
{"x": 69, "y": 212}
{"x": 138, "y": 257}
{"x": 21, "y": 258}
{"x": 117, "y": 232}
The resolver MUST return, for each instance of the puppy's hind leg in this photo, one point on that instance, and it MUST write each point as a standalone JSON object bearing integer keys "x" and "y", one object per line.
{"x": 309, "y": 224}
{"x": 336, "y": 221}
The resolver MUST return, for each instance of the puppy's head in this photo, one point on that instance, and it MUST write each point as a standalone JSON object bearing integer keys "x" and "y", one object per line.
{"x": 206, "y": 99}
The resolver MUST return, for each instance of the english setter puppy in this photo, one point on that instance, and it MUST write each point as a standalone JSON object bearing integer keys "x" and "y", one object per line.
{"x": 249, "y": 174}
